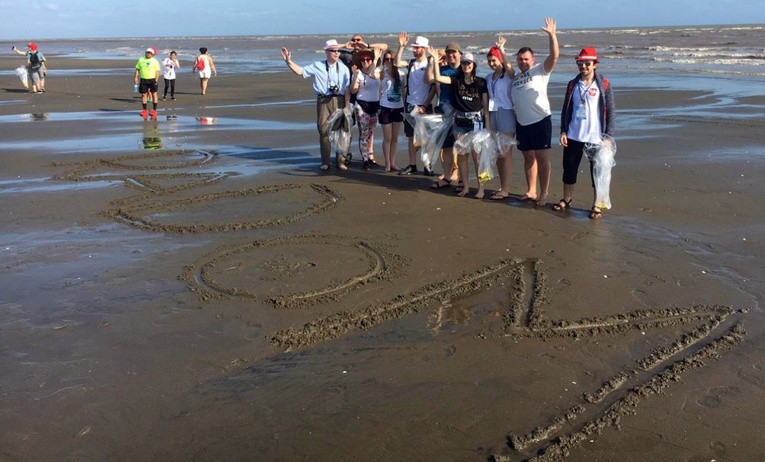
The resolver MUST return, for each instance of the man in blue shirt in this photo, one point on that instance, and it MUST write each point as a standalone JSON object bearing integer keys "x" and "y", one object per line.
{"x": 331, "y": 83}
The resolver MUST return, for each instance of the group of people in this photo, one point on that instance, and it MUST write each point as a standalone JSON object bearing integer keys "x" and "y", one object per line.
{"x": 380, "y": 86}
{"x": 148, "y": 70}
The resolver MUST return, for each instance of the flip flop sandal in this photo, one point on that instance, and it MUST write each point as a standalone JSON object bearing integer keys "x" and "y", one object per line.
{"x": 562, "y": 205}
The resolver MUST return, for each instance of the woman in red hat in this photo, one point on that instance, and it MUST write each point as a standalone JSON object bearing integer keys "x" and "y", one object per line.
{"x": 499, "y": 83}
{"x": 588, "y": 111}
{"x": 35, "y": 67}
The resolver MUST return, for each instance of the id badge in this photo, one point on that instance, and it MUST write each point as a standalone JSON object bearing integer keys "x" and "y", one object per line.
{"x": 581, "y": 113}
{"x": 492, "y": 105}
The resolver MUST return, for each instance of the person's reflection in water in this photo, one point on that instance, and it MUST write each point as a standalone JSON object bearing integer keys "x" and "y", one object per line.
{"x": 151, "y": 135}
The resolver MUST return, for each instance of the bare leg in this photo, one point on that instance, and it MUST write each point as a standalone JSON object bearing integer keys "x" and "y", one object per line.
{"x": 480, "y": 193}
{"x": 544, "y": 169}
{"x": 530, "y": 168}
{"x": 462, "y": 165}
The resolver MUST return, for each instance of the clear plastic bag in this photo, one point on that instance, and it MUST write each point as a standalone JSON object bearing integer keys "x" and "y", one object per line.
{"x": 430, "y": 131}
{"x": 602, "y": 157}
{"x": 485, "y": 146}
{"x": 339, "y": 124}
{"x": 22, "y": 73}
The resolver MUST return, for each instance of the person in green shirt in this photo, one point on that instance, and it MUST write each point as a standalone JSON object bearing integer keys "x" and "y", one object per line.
{"x": 147, "y": 71}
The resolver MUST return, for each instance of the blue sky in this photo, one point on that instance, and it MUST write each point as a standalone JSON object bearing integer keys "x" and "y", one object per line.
{"x": 47, "y": 19}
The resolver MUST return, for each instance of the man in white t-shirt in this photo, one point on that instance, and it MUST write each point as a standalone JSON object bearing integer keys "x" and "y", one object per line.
{"x": 419, "y": 92}
{"x": 532, "y": 110}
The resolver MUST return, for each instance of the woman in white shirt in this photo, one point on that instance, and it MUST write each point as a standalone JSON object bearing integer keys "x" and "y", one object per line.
{"x": 502, "y": 119}
{"x": 391, "y": 108}
{"x": 169, "y": 65}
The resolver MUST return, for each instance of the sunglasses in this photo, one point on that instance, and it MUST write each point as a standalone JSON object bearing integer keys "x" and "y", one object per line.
{"x": 365, "y": 59}
{"x": 334, "y": 51}
{"x": 357, "y": 40}
{"x": 585, "y": 63}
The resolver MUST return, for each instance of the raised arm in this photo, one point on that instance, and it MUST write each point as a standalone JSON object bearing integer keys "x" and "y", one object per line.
{"x": 500, "y": 44}
{"x": 403, "y": 39}
{"x": 437, "y": 77}
{"x": 287, "y": 55}
{"x": 17, "y": 51}
{"x": 551, "y": 29}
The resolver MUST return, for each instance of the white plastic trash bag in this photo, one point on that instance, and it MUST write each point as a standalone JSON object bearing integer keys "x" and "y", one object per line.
{"x": 504, "y": 143}
{"x": 430, "y": 131}
{"x": 339, "y": 124}
{"x": 23, "y": 75}
{"x": 602, "y": 157}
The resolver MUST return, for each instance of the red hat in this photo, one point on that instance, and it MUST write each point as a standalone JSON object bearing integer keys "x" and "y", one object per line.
{"x": 152, "y": 50}
{"x": 494, "y": 51}
{"x": 32, "y": 46}
{"x": 587, "y": 54}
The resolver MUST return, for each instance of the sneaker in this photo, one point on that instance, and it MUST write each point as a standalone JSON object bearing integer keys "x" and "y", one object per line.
{"x": 366, "y": 165}
{"x": 408, "y": 170}
{"x": 153, "y": 113}
{"x": 144, "y": 113}
{"x": 164, "y": 98}
{"x": 172, "y": 98}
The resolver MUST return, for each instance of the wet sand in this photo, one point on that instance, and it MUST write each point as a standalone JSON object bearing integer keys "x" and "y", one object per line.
{"x": 222, "y": 299}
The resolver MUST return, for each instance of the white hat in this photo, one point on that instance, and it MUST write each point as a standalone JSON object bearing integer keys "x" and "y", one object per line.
{"x": 331, "y": 45}
{"x": 152, "y": 51}
{"x": 420, "y": 41}
{"x": 468, "y": 57}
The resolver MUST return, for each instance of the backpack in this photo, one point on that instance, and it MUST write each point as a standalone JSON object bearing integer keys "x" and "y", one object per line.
{"x": 34, "y": 61}
{"x": 200, "y": 64}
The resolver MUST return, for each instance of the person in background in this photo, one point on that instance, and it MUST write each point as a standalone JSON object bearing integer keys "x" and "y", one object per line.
{"x": 499, "y": 83}
{"x": 471, "y": 109}
{"x": 365, "y": 84}
{"x": 419, "y": 92}
{"x": 533, "y": 115}
{"x": 588, "y": 111}
{"x": 206, "y": 67}
{"x": 170, "y": 64}
{"x": 35, "y": 66}
{"x": 331, "y": 83}
{"x": 391, "y": 109}
{"x": 147, "y": 72}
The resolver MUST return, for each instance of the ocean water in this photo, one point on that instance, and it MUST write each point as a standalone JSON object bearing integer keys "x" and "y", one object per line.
{"x": 728, "y": 51}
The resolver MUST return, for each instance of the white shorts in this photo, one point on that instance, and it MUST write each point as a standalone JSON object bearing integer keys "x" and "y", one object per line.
{"x": 205, "y": 73}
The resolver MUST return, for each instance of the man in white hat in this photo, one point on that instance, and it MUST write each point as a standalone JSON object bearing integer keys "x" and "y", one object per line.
{"x": 331, "y": 83}
{"x": 419, "y": 91}
{"x": 147, "y": 72}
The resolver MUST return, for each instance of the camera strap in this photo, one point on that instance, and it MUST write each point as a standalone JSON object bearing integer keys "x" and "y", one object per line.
{"x": 337, "y": 76}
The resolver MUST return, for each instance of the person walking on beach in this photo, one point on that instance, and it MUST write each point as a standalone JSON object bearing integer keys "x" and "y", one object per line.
{"x": 35, "y": 66}
{"x": 170, "y": 64}
{"x": 532, "y": 111}
{"x": 331, "y": 83}
{"x": 452, "y": 58}
{"x": 471, "y": 109}
{"x": 502, "y": 118}
{"x": 147, "y": 72}
{"x": 365, "y": 84}
{"x": 588, "y": 111}
{"x": 391, "y": 109}
{"x": 419, "y": 92}
{"x": 206, "y": 67}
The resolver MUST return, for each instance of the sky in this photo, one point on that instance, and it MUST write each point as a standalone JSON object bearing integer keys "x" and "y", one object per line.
{"x": 50, "y": 19}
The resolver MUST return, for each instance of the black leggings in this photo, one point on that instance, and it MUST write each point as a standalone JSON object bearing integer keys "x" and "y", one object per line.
{"x": 170, "y": 83}
{"x": 572, "y": 156}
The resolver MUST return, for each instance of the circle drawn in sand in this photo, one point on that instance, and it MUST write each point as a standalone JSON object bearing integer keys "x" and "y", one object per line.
{"x": 288, "y": 272}
{"x": 247, "y": 209}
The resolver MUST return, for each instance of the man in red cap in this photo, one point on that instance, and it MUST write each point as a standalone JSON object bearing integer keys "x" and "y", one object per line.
{"x": 588, "y": 112}
{"x": 35, "y": 66}
{"x": 147, "y": 72}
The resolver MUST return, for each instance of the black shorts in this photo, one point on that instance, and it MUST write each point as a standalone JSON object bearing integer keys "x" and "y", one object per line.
{"x": 147, "y": 85}
{"x": 534, "y": 137}
{"x": 388, "y": 115}
{"x": 408, "y": 129}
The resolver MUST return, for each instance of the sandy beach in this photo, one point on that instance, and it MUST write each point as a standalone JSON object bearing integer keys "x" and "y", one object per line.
{"x": 221, "y": 298}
